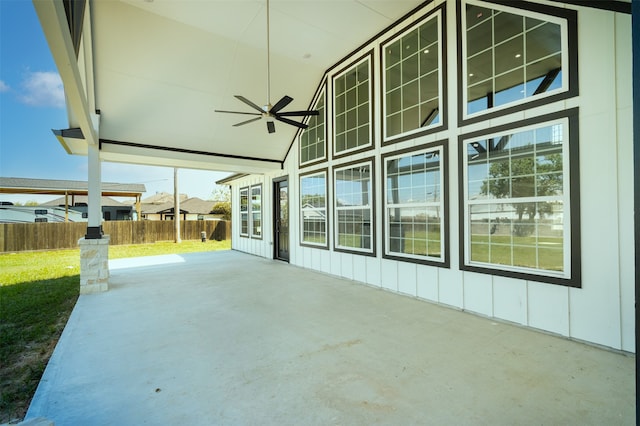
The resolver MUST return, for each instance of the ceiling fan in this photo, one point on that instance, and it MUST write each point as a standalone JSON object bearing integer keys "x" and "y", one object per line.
{"x": 268, "y": 110}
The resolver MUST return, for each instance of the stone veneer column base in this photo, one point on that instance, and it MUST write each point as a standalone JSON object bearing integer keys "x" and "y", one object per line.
{"x": 94, "y": 265}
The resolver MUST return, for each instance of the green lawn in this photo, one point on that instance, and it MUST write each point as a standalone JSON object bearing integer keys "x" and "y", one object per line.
{"x": 37, "y": 293}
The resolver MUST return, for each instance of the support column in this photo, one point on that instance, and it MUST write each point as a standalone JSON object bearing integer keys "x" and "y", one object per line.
{"x": 94, "y": 224}
{"x": 94, "y": 265}
{"x": 94, "y": 247}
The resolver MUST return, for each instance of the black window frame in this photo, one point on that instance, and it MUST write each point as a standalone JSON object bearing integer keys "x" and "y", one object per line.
{"x": 244, "y": 189}
{"x": 442, "y": 147}
{"x": 321, "y": 95}
{"x": 443, "y": 80}
{"x": 327, "y": 208}
{"x": 353, "y": 64}
{"x": 251, "y": 213}
{"x": 574, "y": 280}
{"x": 370, "y": 161}
{"x": 571, "y": 17}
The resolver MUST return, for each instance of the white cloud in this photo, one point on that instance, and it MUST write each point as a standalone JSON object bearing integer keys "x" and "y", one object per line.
{"x": 43, "y": 88}
{"x": 3, "y": 87}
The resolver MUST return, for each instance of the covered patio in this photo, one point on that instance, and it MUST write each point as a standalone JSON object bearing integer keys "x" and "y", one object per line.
{"x": 230, "y": 338}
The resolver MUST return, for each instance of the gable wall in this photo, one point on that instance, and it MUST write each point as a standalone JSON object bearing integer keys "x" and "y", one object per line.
{"x": 601, "y": 311}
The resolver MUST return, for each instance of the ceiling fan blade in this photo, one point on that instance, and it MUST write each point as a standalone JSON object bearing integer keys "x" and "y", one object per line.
{"x": 293, "y": 123}
{"x": 298, "y": 113}
{"x": 286, "y": 100}
{"x": 271, "y": 127}
{"x": 236, "y": 112}
{"x": 247, "y": 122}
{"x": 248, "y": 102}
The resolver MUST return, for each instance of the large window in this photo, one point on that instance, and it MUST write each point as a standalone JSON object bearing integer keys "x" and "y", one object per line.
{"x": 256, "y": 211}
{"x": 312, "y": 140}
{"x": 354, "y": 214}
{"x": 313, "y": 209}
{"x": 520, "y": 189}
{"x": 415, "y": 205}
{"x": 511, "y": 56}
{"x": 244, "y": 212}
{"x": 412, "y": 83}
{"x": 352, "y": 108}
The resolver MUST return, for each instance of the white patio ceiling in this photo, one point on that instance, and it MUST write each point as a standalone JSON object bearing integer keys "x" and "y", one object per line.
{"x": 160, "y": 68}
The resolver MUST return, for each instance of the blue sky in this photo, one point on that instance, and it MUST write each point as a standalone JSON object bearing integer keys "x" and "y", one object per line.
{"x": 32, "y": 103}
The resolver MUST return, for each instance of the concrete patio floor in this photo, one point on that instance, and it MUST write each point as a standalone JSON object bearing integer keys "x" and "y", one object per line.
{"x": 225, "y": 338}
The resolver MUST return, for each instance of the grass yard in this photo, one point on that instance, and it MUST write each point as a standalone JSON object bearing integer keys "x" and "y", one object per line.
{"x": 38, "y": 291}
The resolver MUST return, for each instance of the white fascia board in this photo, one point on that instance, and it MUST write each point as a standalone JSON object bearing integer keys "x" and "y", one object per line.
{"x": 56, "y": 30}
{"x": 167, "y": 158}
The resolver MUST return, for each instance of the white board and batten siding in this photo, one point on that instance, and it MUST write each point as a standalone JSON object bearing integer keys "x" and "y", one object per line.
{"x": 602, "y": 310}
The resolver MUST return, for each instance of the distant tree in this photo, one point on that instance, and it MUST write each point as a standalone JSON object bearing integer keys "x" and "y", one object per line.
{"x": 221, "y": 193}
{"x": 31, "y": 203}
{"x": 221, "y": 196}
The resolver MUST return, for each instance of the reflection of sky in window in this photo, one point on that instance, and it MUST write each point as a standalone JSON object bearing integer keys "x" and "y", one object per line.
{"x": 353, "y": 187}
{"x": 313, "y": 185}
{"x": 413, "y": 179}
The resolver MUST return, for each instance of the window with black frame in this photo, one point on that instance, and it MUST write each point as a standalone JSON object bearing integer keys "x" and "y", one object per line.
{"x": 256, "y": 211}
{"x": 313, "y": 209}
{"x": 244, "y": 212}
{"x": 519, "y": 216}
{"x": 352, "y": 108}
{"x": 412, "y": 82}
{"x": 312, "y": 139}
{"x": 353, "y": 203}
{"x": 512, "y": 56}
{"x": 415, "y": 216}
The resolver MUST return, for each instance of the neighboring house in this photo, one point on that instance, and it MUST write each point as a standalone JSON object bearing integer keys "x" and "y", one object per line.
{"x": 74, "y": 195}
{"x": 111, "y": 209}
{"x": 29, "y": 214}
{"x": 190, "y": 209}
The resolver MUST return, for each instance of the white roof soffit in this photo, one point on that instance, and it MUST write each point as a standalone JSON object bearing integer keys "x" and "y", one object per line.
{"x": 159, "y": 69}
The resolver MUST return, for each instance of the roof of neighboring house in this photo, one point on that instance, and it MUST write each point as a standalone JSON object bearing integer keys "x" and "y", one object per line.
{"x": 13, "y": 185}
{"x": 193, "y": 205}
{"x": 162, "y": 198}
{"x": 83, "y": 199}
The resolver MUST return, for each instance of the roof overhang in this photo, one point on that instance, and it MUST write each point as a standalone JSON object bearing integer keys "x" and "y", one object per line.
{"x": 66, "y": 187}
{"x": 148, "y": 75}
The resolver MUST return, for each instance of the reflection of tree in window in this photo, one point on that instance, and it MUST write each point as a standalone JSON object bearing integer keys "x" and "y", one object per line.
{"x": 532, "y": 180}
{"x": 516, "y": 197}
{"x": 244, "y": 211}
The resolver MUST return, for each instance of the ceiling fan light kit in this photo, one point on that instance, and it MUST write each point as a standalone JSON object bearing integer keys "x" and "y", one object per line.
{"x": 271, "y": 111}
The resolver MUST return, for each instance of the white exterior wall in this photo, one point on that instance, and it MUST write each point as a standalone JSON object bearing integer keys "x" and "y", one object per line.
{"x": 602, "y": 311}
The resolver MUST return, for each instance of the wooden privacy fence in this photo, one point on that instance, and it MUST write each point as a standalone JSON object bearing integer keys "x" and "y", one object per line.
{"x": 49, "y": 236}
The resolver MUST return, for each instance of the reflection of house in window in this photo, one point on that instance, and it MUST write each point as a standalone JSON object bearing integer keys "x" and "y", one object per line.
{"x": 313, "y": 209}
